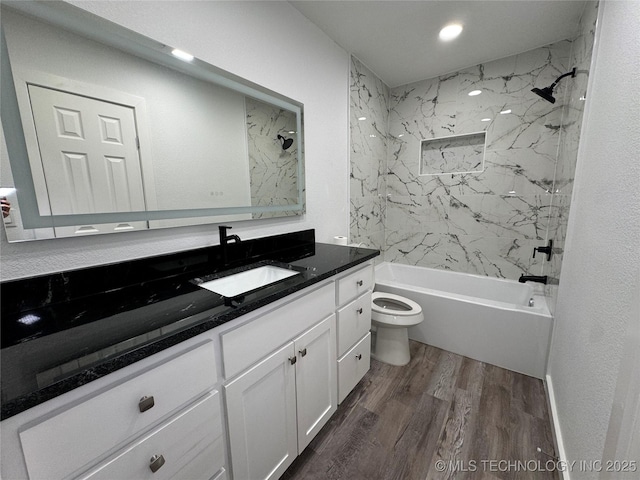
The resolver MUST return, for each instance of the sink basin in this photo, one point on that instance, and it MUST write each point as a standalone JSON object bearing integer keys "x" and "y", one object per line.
{"x": 243, "y": 282}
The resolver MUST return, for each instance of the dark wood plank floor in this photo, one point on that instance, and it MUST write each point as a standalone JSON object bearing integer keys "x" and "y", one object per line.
{"x": 401, "y": 423}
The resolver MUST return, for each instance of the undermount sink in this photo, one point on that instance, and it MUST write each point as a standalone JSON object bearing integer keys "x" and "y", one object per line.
{"x": 243, "y": 282}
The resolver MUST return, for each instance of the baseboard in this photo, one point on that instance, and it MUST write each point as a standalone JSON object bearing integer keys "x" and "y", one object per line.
{"x": 557, "y": 433}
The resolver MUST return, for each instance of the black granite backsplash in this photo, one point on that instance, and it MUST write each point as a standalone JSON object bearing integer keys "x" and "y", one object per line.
{"x": 63, "y": 330}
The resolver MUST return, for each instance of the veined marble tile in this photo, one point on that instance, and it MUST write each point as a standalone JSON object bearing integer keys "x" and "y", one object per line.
{"x": 366, "y": 216}
{"x": 403, "y": 177}
{"x": 371, "y": 240}
{"x": 522, "y": 217}
{"x": 523, "y": 127}
{"x": 491, "y": 256}
{"x": 365, "y": 175}
{"x": 368, "y": 138}
{"x": 560, "y": 205}
{"x": 417, "y": 214}
{"x": 273, "y": 171}
{"x": 521, "y": 170}
{"x": 369, "y": 95}
{"x": 422, "y": 249}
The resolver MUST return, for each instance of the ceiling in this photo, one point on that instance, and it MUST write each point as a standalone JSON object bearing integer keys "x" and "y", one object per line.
{"x": 398, "y": 40}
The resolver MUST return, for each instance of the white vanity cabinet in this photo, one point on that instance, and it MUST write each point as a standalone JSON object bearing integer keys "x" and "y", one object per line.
{"x": 164, "y": 407}
{"x": 280, "y": 394}
{"x": 250, "y": 394}
{"x": 276, "y": 406}
{"x": 353, "y": 297}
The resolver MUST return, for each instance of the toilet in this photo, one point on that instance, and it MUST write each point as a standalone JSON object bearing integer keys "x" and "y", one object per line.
{"x": 391, "y": 316}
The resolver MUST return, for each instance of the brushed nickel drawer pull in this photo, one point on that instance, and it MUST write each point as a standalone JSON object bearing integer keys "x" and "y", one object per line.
{"x": 293, "y": 360}
{"x": 303, "y": 352}
{"x": 359, "y": 310}
{"x": 359, "y": 356}
{"x": 359, "y": 283}
{"x": 156, "y": 462}
{"x": 146, "y": 403}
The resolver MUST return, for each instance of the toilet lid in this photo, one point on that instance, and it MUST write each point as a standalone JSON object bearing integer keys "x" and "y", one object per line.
{"x": 390, "y": 303}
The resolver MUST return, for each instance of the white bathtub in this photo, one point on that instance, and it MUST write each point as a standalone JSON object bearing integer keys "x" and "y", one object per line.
{"x": 484, "y": 318}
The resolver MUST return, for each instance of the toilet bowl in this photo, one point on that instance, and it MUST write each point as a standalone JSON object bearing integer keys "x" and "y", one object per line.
{"x": 391, "y": 316}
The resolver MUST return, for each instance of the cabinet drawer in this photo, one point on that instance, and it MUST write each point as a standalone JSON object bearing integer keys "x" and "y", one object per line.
{"x": 352, "y": 366}
{"x": 355, "y": 284}
{"x": 247, "y": 344}
{"x": 74, "y": 438}
{"x": 354, "y": 321}
{"x": 190, "y": 446}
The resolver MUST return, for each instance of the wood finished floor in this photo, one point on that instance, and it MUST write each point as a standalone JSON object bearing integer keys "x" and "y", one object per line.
{"x": 400, "y": 421}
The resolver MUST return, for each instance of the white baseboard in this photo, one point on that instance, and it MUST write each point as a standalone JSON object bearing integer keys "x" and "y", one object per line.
{"x": 556, "y": 425}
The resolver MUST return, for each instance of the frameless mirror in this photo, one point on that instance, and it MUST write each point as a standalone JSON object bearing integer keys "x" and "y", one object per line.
{"x": 105, "y": 130}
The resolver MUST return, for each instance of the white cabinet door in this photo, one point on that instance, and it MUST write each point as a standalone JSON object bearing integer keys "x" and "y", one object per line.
{"x": 315, "y": 379}
{"x": 261, "y": 408}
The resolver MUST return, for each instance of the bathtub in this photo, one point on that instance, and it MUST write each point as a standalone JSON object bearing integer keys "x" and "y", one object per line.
{"x": 487, "y": 319}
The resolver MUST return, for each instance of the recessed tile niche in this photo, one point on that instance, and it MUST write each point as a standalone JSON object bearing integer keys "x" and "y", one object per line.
{"x": 453, "y": 154}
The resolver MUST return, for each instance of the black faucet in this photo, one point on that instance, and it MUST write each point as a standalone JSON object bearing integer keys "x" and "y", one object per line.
{"x": 548, "y": 250}
{"x": 224, "y": 241}
{"x": 533, "y": 278}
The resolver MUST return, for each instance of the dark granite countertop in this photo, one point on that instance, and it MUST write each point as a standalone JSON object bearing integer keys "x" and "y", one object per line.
{"x": 63, "y": 330}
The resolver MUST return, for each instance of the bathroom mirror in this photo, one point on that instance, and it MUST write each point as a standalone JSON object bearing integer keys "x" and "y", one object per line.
{"x": 105, "y": 130}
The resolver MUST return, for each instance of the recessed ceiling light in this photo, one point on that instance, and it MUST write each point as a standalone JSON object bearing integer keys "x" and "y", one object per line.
{"x": 362, "y": 118}
{"x": 504, "y": 112}
{"x": 473, "y": 93}
{"x": 291, "y": 132}
{"x": 182, "y": 55}
{"x": 450, "y": 32}
{"x": 485, "y": 120}
{"x": 401, "y": 135}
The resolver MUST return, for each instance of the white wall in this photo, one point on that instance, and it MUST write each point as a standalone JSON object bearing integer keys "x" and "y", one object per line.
{"x": 269, "y": 43}
{"x": 598, "y": 296}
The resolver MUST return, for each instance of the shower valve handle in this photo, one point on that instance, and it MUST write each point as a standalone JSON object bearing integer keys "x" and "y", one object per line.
{"x": 548, "y": 250}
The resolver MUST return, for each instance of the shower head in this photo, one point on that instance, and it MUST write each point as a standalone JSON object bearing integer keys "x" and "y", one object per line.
{"x": 547, "y": 92}
{"x": 286, "y": 142}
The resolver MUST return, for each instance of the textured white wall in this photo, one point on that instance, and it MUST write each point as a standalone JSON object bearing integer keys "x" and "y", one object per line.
{"x": 269, "y": 43}
{"x": 601, "y": 265}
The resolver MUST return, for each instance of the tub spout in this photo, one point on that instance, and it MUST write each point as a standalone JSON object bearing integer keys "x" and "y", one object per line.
{"x": 533, "y": 278}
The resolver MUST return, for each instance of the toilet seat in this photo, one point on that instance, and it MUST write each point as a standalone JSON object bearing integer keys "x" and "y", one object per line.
{"x": 391, "y": 317}
{"x": 391, "y": 304}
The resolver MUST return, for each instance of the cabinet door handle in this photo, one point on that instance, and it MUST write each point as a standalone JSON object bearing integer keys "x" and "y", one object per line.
{"x": 293, "y": 360}
{"x": 359, "y": 356}
{"x": 359, "y": 283}
{"x": 156, "y": 462}
{"x": 303, "y": 352}
{"x": 359, "y": 310}
{"x": 146, "y": 403}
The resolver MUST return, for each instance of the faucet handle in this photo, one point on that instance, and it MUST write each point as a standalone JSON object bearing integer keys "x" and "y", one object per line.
{"x": 223, "y": 230}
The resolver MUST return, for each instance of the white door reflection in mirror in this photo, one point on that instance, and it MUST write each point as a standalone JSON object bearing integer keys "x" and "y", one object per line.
{"x": 89, "y": 153}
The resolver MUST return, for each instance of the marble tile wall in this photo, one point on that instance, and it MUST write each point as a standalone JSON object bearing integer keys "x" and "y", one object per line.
{"x": 273, "y": 171}
{"x": 484, "y": 222}
{"x": 574, "y": 101}
{"x": 369, "y": 121}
